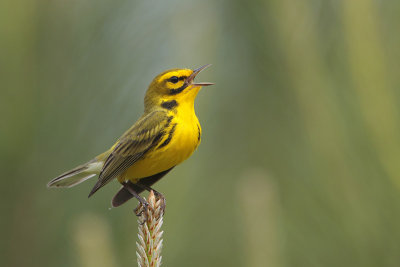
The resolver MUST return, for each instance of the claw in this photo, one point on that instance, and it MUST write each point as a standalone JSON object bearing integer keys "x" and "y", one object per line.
{"x": 142, "y": 211}
{"x": 144, "y": 206}
{"x": 138, "y": 210}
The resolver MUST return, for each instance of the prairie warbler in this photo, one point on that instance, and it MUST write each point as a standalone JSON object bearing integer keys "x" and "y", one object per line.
{"x": 164, "y": 136}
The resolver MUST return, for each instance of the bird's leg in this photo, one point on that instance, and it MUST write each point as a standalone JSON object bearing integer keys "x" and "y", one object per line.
{"x": 156, "y": 193}
{"x": 143, "y": 206}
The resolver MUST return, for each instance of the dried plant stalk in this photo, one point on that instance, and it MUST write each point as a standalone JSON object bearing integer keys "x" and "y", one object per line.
{"x": 150, "y": 234}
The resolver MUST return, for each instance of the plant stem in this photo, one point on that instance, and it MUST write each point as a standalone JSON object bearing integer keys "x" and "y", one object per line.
{"x": 150, "y": 234}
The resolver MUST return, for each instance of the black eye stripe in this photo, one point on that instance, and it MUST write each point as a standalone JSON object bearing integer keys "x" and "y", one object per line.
{"x": 175, "y": 79}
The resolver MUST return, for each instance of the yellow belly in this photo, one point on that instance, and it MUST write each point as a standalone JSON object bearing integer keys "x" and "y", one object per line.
{"x": 184, "y": 142}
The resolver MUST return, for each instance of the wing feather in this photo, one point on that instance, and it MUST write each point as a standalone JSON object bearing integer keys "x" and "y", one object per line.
{"x": 133, "y": 145}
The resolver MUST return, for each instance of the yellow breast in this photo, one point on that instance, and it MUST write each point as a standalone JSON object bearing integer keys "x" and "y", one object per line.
{"x": 180, "y": 140}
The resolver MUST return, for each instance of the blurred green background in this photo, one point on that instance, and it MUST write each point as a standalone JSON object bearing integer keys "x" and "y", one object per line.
{"x": 300, "y": 157}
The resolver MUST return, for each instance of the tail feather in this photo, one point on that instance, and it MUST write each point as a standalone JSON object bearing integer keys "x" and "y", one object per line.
{"x": 121, "y": 197}
{"x": 77, "y": 175}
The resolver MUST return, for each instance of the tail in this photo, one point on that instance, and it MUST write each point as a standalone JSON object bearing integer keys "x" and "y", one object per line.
{"x": 77, "y": 175}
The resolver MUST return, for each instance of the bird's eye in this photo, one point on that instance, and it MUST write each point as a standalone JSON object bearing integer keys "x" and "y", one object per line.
{"x": 174, "y": 79}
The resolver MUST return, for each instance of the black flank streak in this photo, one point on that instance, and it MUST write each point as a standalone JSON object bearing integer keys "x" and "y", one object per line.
{"x": 171, "y": 132}
{"x": 169, "y": 104}
{"x": 169, "y": 121}
{"x": 198, "y": 133}
{"x": 155, "y": 141}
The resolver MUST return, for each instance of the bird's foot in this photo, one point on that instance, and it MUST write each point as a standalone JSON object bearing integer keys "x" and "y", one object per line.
{"x": 142, "y": 211}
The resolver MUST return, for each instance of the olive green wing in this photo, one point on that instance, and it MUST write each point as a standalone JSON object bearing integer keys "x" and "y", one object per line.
{"x": 133, "y": 146}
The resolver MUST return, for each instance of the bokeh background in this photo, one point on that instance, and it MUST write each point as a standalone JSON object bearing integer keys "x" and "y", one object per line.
{"x": 300, "y": 157}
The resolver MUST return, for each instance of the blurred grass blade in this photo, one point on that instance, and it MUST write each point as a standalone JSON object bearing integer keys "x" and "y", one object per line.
{"x": 259, "y": 212}
{"x": 368, "y": 72}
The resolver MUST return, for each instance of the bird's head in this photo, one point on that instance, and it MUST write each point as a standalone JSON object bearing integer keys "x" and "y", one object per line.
{"x": 174, "y": 84}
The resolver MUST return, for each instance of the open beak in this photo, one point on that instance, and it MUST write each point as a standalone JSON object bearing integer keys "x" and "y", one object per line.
{"x": 190, "y": 79}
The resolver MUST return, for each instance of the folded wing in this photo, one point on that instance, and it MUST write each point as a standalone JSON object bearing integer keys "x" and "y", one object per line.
{"x": 133, "y": 146}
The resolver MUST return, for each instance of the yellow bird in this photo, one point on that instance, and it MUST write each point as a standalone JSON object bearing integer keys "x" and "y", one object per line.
{"x": 164, "y": 136}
